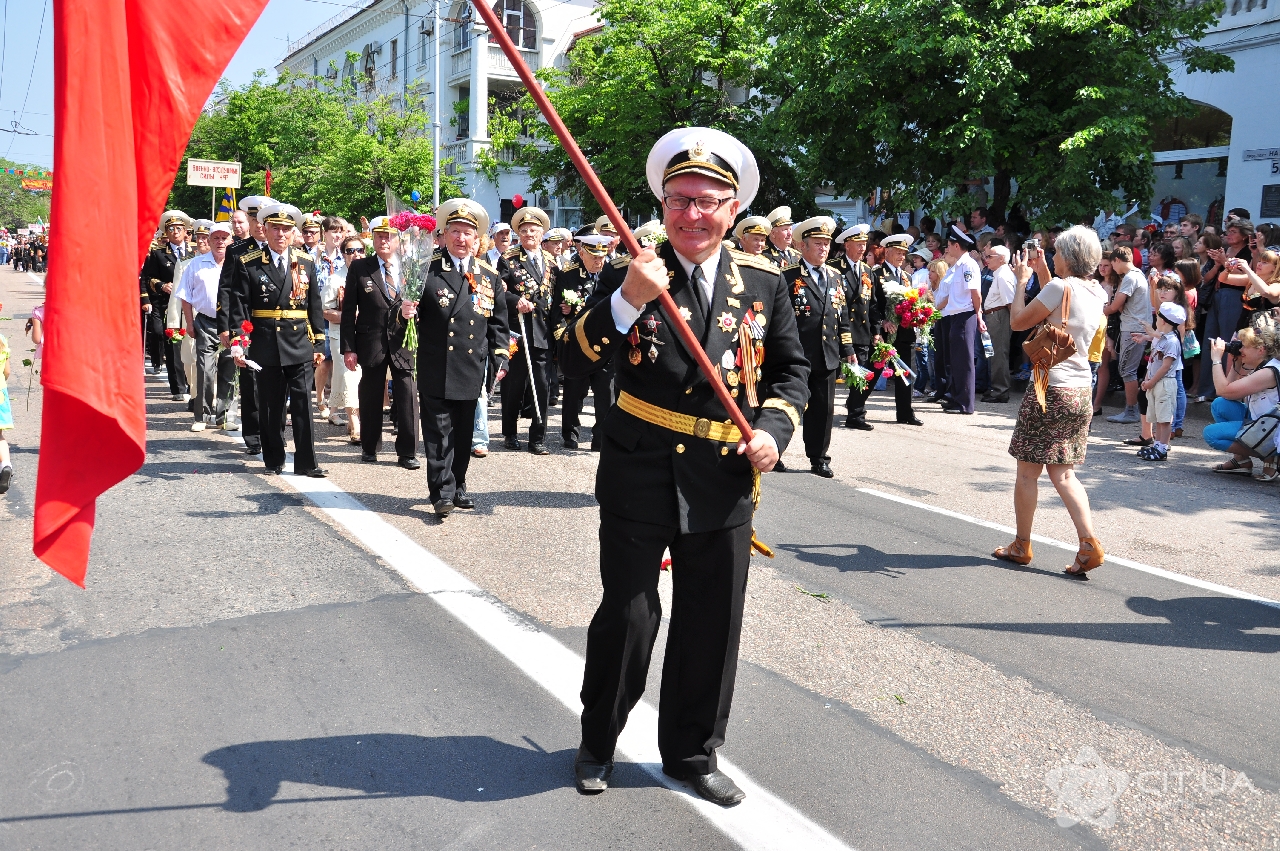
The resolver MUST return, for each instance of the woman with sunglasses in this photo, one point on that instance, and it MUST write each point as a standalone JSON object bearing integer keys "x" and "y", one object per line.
{"x": 346, "y": 382}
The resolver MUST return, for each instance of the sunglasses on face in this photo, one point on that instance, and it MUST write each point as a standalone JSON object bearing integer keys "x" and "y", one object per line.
{"x": 349, "y": 251}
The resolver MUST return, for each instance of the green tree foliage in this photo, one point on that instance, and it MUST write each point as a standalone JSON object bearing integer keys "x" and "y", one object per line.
{"x": 20, "y": 207}
{"x": 328, "y": 148}
{"x": 659, "y": 64}
{"x": 916, "y": 96}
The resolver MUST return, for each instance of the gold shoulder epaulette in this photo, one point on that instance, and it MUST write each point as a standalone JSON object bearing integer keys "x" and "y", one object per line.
{"x": 514, "y": 251}
{"x": 757, "y": 260}
{"x": 436, "y": 255}
{"x": 251, "y": 255}
{"x": 569, "y": 267}
{"x": 786, "y": 268}
{"x": 156, "y": 244}
{"x": 301, "y": 254}
{"x": 483, "y": 265}
{"x": 620, "y": 261}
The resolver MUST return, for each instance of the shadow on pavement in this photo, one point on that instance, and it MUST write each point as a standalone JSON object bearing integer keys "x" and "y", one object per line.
{"x": 859, "y": 558}
{"x": 458, "y": 768}
{"x": 1201, "y": 623}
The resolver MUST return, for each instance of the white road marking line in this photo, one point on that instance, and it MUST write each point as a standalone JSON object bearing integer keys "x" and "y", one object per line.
{"x": 763, "y": 822}
{"x": 1123, "y": 562}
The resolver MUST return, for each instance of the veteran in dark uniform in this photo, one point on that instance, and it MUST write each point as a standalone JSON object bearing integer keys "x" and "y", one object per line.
{"x": 858, "y": 292}
{"x": 822, "y": 319}
{"x": 275, "y": 289}
{"x": 576, "y": 283}
{"x": 373, "y": 330}
{"x": 882, "y": 318}
{"x": 462, "y": 328}
{"x": 778, "y": 249}
{"x": 674, "y": 473}
{"x": 254, "y": 239}
{"x": 159, "y": 279}
{"x": 606, "y": 228}
{"x": 752, "y": 234}
{"x": 529, "y": 275}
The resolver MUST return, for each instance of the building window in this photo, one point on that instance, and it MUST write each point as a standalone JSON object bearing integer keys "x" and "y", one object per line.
{"x": 395, "y": 56}
{"x": 422, "y": 47}
{"x": 519, "y": 22}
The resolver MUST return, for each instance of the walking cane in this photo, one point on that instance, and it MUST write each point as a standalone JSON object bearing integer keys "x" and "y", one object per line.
{"x": 526, "y": 349}
{"x": 683, "y": 331}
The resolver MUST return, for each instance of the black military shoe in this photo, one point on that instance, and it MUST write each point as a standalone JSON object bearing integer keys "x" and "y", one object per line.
{"x": 916, "y": 421}
{"x": 443, "y": 507}
{"x": 590, "y": 775}
{"x": 369, "y": 457}
{"x": 409, "y": 463}
{"x": 779, "y": 467}
{"x": 718, "y": 788}
{"x": 570, "y": 444}
{"x": 1001, "y": 398}
{"x": 461, "y": 500}
{"x": 860, "y": 425}
{"x": 511, "y": 442}
{"x": 822, "y": 468}
{"x": 316, "y": 473}
{"x": 539, "y": 449}
{"x": 274, "y": 471}
{"x": 252, "y": 448}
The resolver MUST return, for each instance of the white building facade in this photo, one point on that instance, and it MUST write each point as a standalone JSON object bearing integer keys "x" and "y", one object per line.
{"x": 398, "y": 48}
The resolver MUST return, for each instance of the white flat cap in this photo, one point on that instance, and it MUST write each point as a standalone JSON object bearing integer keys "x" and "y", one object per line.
{"x": 276, "y": 213}
{"x": 779, "y": 217}
{"x": 253, "y": 203}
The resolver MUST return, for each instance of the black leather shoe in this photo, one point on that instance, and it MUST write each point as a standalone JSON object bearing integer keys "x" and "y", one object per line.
{"x": 589, "y": 774}
{"x": 369, "y": 457}
{"x": 934, "y": 398}
{"x": 821, "y": 468}
{"x": 913, "y": 421}
{"x": 570, "y": 444}
{"x": 539, "y": 449}
{"x": 409, "y": 463}
{"x": 511, "y": 442}
{"x": 316, "y": 473}
{"x": 956, "y": 410}
{"x": 252, "y": 448}
{"x": 779, "y": 467}
{"x": 274, "y": 471}
{"x": 461, "y": 500}
{"x": 996, "y": 399}
{"x": 860, "y": 425}
{"x": 443, "y": 507}
{"x": 718, "y": 788}
{"x": 950, "y": 406}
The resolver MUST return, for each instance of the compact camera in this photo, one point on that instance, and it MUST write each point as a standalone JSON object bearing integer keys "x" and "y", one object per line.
{"x": 1234, "y": 348}
{"x": 1032, "y": 244}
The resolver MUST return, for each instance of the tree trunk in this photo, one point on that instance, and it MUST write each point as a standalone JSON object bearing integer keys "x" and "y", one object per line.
{"x": 999, "y": 196}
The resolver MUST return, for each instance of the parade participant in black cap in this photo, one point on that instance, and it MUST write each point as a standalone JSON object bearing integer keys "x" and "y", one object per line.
{"x": 862, "y": 330}
{"x": 159, "y": 279}
{"x": 904, "y": 338}
{"x": 960, "y": 295}
{"x": 673, "y": 472}
{"x": 575, "y": 284}
{"x": 254, "y": 240}
{"x": 528, "y": 272}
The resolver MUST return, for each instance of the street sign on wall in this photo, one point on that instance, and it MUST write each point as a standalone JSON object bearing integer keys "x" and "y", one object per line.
{"x": 213, "y": 173}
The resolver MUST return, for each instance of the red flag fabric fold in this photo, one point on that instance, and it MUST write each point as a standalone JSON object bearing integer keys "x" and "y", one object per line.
{"x": 130, "y": 79}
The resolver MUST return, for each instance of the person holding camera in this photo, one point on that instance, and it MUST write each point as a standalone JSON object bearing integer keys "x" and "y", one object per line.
{"x": 1246, "y": 390}
{"x": 1055, "y": 433}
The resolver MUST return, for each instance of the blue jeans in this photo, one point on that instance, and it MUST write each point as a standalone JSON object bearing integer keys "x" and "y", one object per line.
{"x": 480, "y": 428}
{"x": 1228, "y": 419}
{"x": 1180, "y": 409}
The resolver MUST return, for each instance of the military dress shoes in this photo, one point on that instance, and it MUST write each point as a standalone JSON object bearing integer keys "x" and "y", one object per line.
{"x": 274, "y": 471}
{"x": 252, "y": 448}
{"x": 1004, "y": 397}
{"x": 369, "y": 457}
{"x": 570, "y": 444}
{"x": 539, "y": 449}
{"x": 717, "y": 787}
{"x": 443, "y": 507}
{"x": 409, "y": 463}
{"x": 822, "y": 468}
{"x": 916, "y": 421}
{"x": 589, "y": 774}
{"x": 779, "y": 467}
{"x": 315, "y": 473}
{"x": 461, "y": 500}
{"x": 860, "y": 425}
{"x": 511, "y": 442}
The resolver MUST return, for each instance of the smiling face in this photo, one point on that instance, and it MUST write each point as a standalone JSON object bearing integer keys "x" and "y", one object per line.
{"x": 691, "y": 232}
{"x": 531, "y": 236}
{"x": 502, "y": 240}
{"x": 753, "y": 243}
{"x": 781, "y": 237}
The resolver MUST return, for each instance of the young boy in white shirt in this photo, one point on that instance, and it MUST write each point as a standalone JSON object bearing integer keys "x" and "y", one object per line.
{"x": 1161, "y": 385}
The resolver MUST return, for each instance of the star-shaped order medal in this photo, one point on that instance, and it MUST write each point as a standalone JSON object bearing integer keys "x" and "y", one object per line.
{"x": 727, "y": 322}
{"x": 686, "y": 314}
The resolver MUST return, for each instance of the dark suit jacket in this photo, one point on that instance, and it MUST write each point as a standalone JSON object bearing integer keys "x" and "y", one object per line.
{"x": 572, "y": 278}
{"x": 225, "y": 295}
{"x": 257, "y": 285}
{"x": 859, "y": 295}
{"x": 157, "y": 270}
{"x": 372, "y": 325}
{"x": 522, "y": 280}
{"x": 459, "y": 335}
{"x": 655, "y": 475}
{"x": 822, "y": 319}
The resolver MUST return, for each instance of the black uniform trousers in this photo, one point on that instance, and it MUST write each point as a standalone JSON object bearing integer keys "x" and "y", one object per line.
{"x": 855, "y": 404}
{"x": 904, "y": 342}
{"x": 160, "y": 349}
{"x": 275, "y": 383}
{"x": 373, "y": 385}
{"x": 820, "y": 413}
{"x": 513, "y": 390}
{"x": 962, "y": 330}
{"x": 941, "y": 356}
{"x": 709, "y": 579}
{"x": 575, "y": 393}
{"x": 250, "y": 427}
{"x": 446, "y": 438}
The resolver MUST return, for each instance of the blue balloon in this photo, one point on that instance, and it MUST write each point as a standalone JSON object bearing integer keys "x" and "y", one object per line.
{"x": 415, "y": 195}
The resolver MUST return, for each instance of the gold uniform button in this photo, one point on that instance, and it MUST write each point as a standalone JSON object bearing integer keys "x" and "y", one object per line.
{"x": 450, "y": 333}
{"x": 471, "y": 336}
{"x": 451, "y": 319}
{"x": 468, "y": 351}
{"x": 688, "y": 390}
{"x": 597, "y": 348}
{"x": 679, "y": 447}
{"x": 451, "y": 348}
{"x": 473, "y": 322}
{"x": 604, "y": 340}
{"x": 724, "y": 450}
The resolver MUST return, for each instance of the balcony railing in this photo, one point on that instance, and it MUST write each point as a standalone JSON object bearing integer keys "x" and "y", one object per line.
{"x": 498, "y": 64}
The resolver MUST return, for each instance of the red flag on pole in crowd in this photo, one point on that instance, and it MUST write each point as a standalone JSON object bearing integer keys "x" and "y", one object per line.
{"x": 129, "y": 83}
{"x": 267, "y": 188}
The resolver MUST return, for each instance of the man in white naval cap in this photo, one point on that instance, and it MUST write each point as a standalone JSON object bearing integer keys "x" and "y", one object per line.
{"x": 779, "y": 249}
{"x": 674, "y": 474}
{"x": 893, "y": 270}
{"x": 961, "y": 296}
{"x": 753, "y": 234}
{"x": 852, "y": 247}
{"x": 159, "y": 278}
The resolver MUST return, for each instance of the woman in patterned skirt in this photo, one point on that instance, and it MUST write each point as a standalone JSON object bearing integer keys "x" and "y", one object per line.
{"x": 1054, "y": 432}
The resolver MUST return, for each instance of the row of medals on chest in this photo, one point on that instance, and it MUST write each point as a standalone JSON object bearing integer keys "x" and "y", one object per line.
{"x": 731, "y": 360}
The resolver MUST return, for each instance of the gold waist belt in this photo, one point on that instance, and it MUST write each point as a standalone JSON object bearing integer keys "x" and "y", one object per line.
{"x": 279, "y": 314}
{"x": 683, "y": 423}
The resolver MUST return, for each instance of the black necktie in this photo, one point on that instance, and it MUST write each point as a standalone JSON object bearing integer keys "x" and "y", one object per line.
{"x": 698, "y": 292}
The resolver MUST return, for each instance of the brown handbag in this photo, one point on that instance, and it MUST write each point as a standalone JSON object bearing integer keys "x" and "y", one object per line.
{"x": 1048, "y": 346}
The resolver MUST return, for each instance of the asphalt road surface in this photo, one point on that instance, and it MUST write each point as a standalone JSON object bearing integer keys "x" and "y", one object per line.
{"x": 272, "y": 663}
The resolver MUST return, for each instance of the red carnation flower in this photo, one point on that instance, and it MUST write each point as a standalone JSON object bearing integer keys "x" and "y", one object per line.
{"x": 246, "y": 326}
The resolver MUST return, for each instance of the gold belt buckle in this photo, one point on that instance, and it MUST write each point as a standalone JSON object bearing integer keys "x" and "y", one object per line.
{"x": 702, "y": 427}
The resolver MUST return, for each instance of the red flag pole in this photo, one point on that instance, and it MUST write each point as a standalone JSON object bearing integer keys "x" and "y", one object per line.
{"x": 610, "y": 209}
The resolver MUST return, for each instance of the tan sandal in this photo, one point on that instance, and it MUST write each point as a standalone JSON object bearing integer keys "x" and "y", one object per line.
{"x": 1019, "y": 552}
{"x": 1089, "y": 556}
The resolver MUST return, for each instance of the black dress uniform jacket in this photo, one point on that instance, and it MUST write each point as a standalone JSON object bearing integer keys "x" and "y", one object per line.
{"x": 372, "y": 325}
{"x": 234, "y": 250}
{"x": 780, "y": 258}
{"x": 652, "y": 474}
{"x": 523, "y": 280}
{"x": 822, "y": 317}
{"x": 573, "y": 278}
{"x": 256, "y": 284}
{"x": 157, "y": 270}
{"x": 859, "y": 291}
{"x": 458, "y": 333}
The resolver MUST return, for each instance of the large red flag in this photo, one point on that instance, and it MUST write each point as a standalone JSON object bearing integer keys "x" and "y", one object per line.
{"x": 130, "y": 78}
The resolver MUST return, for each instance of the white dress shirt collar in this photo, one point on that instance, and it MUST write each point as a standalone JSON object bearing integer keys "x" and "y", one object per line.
{"x": 710, "y": 267}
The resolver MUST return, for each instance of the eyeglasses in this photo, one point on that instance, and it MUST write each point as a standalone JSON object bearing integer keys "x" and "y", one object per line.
{"x": 349, "y": 251}
{"x": 704, "y": 203}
